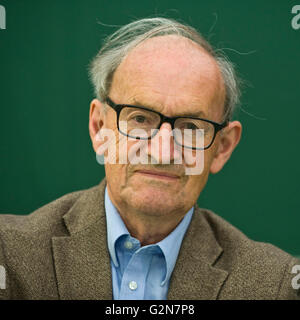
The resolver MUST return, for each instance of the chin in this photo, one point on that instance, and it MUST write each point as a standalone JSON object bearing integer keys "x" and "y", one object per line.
{"x": 155, "y": 202}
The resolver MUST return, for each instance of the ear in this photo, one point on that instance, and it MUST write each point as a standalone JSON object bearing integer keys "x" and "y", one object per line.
{"x": 96, "y": 122}
{"x": 228, "y": 140}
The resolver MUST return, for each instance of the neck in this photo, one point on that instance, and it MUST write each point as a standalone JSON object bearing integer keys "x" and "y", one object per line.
{"x": 149, "y": 230}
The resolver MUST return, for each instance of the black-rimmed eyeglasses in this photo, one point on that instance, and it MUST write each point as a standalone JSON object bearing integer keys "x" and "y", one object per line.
{"x": 141, "y": 123}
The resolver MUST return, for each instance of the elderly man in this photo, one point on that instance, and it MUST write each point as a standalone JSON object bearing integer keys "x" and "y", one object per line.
{"x": 140, "y": 234}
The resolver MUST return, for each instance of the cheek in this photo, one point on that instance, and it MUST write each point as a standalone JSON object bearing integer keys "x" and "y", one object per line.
{"x": 194, "y": 186}
{"x": 198, "y": 171}
{"x": 195, "y": 161}
{"x": 116, "y": 175}
{"x": 117, "y": 172}
{"x": 131, "y": 151}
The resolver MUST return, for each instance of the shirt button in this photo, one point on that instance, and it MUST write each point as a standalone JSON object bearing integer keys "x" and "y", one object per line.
{"x": 132, "y": 285}
{"x": 128, "y": 245}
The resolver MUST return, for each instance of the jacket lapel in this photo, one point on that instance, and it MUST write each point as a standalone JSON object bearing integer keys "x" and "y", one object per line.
{"x": 82, "y": 261}
{"x": 195, "y": 277}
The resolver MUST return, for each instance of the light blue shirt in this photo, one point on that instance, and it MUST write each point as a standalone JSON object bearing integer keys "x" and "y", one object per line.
{"x": 141, "y": 273}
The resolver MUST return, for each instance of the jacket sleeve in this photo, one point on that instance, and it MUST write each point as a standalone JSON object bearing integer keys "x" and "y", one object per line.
{"x": 290, "y": 285}
{"x": 4, "y": 287}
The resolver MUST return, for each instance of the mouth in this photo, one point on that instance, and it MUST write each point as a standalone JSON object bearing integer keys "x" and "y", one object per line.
{"x": 158, "y": 175}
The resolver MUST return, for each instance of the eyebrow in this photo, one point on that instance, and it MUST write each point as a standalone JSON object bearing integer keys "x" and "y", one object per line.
{"x": 199, "y": 114}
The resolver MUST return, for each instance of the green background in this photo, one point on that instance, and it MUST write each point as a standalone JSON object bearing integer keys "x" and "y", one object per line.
{"x": 45, "y": 94}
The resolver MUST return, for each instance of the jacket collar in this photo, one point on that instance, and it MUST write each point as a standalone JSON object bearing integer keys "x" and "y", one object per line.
{"x": 82, "y": 261}
{"x": 195, "y": 276}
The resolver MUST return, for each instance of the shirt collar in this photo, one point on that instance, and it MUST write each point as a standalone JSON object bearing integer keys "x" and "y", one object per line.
{"x": 115, "y": 227}
{"x": 170, "y": 245}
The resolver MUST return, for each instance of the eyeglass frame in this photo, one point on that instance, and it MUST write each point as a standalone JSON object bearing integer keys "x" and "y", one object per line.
{"x": 171, "y": 120}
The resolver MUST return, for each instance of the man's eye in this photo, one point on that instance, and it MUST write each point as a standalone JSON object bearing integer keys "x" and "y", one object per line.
{"x": 189, "y": 125}
{"x": 140, "y": 119}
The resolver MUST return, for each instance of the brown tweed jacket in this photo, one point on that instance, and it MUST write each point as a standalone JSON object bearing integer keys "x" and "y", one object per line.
{"x": 60, "y": 252}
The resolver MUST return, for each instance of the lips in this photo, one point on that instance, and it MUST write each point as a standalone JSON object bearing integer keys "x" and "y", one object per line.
{"x": 158, "y": 174}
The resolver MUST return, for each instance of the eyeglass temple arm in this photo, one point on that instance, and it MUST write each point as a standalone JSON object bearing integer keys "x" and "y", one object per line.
{"x": 110, "y": 102}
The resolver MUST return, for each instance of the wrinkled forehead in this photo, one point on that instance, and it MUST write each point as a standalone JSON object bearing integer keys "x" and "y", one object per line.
{"x": 170, "y": 72}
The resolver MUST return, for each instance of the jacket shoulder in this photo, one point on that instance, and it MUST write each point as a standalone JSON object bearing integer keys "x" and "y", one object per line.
{"x": 43, "y": 219}
{"x": 26, "y": 248}
{"x": 257, "y": 270}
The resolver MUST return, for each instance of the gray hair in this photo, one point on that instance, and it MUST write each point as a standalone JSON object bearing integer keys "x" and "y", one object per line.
{"x": 117, "y": 46}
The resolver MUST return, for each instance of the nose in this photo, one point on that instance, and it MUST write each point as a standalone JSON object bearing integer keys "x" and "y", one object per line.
{"x": 161, "y": 147}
